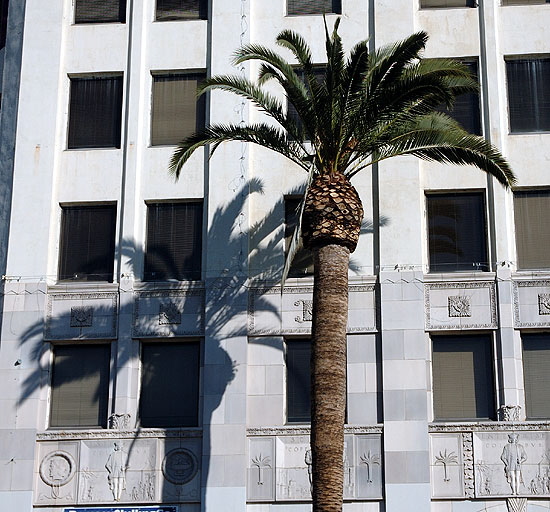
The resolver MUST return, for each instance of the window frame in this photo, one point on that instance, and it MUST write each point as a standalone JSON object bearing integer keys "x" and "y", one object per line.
{"x": 64, "y": 248}
{"x": 506, "y": 3}
{"x": 122, "y": 9}
{"x": 295, "y": 342}
{"x": 198, "y": 343}
{"x": 491, "y": 380}
{"x": 193, "y": 274}
{"x": 482, "y": 266}
{"x": 336, "y": 9}
{"x": 469, "y": 5}
{"x": 73, "y": 118}
{"x": 104, "y": 414}
{"x": 203, "y": 13}
{"x": 534, "y": 339}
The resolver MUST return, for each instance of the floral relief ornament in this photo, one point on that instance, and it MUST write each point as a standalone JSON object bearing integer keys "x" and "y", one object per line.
{"x": 459, "y": 306}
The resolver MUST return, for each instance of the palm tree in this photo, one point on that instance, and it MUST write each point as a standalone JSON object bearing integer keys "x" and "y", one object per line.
{"x": 365, "y": 108}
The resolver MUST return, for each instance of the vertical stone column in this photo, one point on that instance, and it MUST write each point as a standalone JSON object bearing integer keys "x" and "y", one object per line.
{"x": 405, "y": 371}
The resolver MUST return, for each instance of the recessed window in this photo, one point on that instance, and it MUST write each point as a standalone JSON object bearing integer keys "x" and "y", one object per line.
{"x": 181, "y": 10}
{"x": 434, "y": 4}
{"x": 80, "y": 386}
{"x": 174, "y": 241}
{"x": 301, "y": 7}
{"x": 302, "y": 264}
{"x": 525, "y": 2}
{"x": 463, "y": 383}
{"x": 170, "y": 384}
{"x": 100, "y": 11}
{"x": 457, "y": 233}
{"x": 95, "y": 112}
{"x": 87, "y": 244}
{"x": 298, "y": 386}
{"x": 4, "y": 4}
{"x": 466, "y": 106}
{"x": 529, "y": 94}
{"x": 531, "y": 213}
{"x": 536, "y": 361}
{"x": 176, "y": 112}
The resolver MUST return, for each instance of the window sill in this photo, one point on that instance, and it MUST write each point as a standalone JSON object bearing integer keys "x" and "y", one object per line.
{"x": 480, "y": 275}
{"x": 168, "y": 285}
{"x": 83, "y": 286}
{"x": 72, "y": 433}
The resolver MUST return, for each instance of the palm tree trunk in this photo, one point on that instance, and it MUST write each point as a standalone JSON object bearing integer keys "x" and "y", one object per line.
{"x": 328, "y": 376}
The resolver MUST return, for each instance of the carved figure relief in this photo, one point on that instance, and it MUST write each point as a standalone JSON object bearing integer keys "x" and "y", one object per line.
{"x": 307, "y": 311}
{"x": 56, "y": 470}
{"x": 116, "y": 467}
{"x": 484, "y": 478}
{"x": 513, "y": 456}
{"x": 540, "y": 484}
{"x": 446, "y": 459}
{"x": 82, "y": 316}
{"x": 180, "y": 466}
{"x": 145, "y": 489}
{"x": 459, "y": 306}
{"x": 169, "y": 314}
{"x": 87, "y": 487}
{"x": 544, "y": 303}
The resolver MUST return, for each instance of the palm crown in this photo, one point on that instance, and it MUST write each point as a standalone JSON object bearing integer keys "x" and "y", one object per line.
{"x": 366, "y": 108}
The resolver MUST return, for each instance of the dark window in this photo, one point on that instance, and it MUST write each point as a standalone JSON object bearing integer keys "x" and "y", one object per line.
{"x": 531, "y": 212}
{"x": 174, "y": 241}
{"x": 80, "y": 386}
{"x": 176, "y": 112}
{"x": 536, "y": 361}
{"x": 525, "y": 2}
{"x": 301, "y": 7}
{"x": 463, "y": 383}
{"x": 87, "y": 245}
{"x": 529, "y": 94}
{"x": 170, "y": 384}
{"x": 302, "y": 265}
{"x": 466, "y": 106}
{"x": 100, "y": 11}
{"x": 298, "y": 385}
{"x": 457, "y": 238}
{"x": 4, "y": 4}
{"x": 446, "y": 3}
{"x": 181, "y": 10}
{"x": 95, "y": 112}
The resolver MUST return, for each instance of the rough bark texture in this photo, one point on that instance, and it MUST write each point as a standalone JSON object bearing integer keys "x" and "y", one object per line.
{"x": 332, "y": 213}
{"x": 328, "y": 376}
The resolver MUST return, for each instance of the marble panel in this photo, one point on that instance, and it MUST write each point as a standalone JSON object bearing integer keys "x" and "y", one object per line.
{"x": 446, "y": 465}
{"x": 531, "y": 304}
{"x": 468, "y": 305}
{"x": 261, "y": 469}
{"x": 164, "y": 313}
{"x": 180, "y": 474}
{"x": 72, "y": 316}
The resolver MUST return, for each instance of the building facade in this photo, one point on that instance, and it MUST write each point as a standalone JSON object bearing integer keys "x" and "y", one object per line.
{"x": 148, "y": 356}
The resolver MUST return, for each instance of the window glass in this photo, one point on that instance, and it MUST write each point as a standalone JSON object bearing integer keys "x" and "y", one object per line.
{"x": 531, "y": 212}
{"x": 529, "y": 94}
{"x": 457, "y": 239}
{"x": 300, "y": 7}
{"x": 446, "y": 3}
{"x": 4, "y": 4}
{"x": 298, "y": 386}
{"x": 176, "y": 112}
{"x": 181, "y": 10}
{"x": 174, "y": 241}
{"x": 536, "y": 361}
{"x": 80, "y": 386}
{"x": 302, "y": 265}
{"x": 87, "y": 245}
{"x": 95, "y": 112}
{"x": 463, "y": 383}
{"x": 170, "y": 384}
{"x": 100, "y": 11}
{"x": 525, "y": 2}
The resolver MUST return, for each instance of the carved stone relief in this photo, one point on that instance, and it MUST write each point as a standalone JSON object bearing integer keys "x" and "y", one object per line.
{"x": 531, "y": 304}
{"x": 172, "y": 312}
{"x": 119, "y": 421}
{"x": 467, "y": 305}
{"x": 447, "y": 465}
{"x": 280, "y": 468}
{"x": 72, "y": 316}
{"x": 307, "y": 311}
{"x": 544, "y": 303}
{"x": 512, "y": 464}
{"x": 510, "y": 413}
{"x": 116, "y": 471}
{"x": 517, "y": 504}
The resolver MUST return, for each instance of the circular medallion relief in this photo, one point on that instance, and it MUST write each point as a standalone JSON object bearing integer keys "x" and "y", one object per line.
{"x": 57, "y": 468}
{"x": 180, "y": 466}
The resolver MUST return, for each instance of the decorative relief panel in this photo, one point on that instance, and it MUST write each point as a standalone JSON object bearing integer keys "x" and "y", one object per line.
{"x": 273, "y": 313}
{"x": 123, "y": 470}
{"x": 512, "y": 464}
{"x": 447, "y": 465}
{"x": 531, "y": 304}
{"x": 165, "y": 313}
{"x": 468, "y": 305}
{"x": 71, "y": 316}
{"x": 279, "y": 468}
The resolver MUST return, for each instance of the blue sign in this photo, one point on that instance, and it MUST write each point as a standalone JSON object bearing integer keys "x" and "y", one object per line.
{"x": 124, "y": 509}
